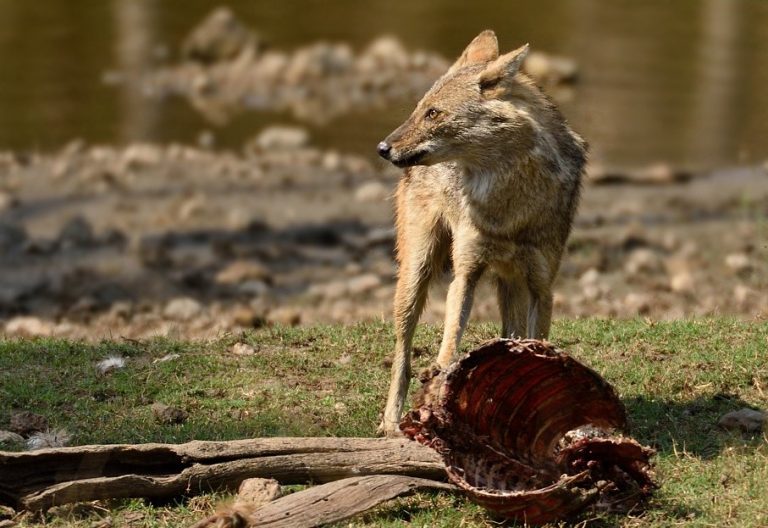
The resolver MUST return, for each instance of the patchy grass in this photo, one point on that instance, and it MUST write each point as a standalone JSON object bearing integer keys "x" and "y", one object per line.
{"x": 675, "y": 378}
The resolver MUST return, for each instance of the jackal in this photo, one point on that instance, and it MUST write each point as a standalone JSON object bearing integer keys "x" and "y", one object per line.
{"x": 492, "y": 180}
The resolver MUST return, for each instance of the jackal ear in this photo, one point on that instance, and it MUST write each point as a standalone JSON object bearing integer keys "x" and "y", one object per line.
{"x": 483, "y": 48}
{"x": 504, "y": 67}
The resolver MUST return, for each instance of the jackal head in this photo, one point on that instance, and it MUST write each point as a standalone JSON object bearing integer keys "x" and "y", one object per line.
{"x": 468, "y": 113}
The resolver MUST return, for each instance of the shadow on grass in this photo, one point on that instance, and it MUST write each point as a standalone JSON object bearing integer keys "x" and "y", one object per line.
{"x": 684, "y": 426}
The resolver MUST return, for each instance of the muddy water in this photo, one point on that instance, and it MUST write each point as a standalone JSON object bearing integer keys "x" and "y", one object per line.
{"x": 682, "y": 81}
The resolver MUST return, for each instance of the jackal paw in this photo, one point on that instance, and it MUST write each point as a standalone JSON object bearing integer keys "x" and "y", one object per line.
{"x": 389, "y": 429}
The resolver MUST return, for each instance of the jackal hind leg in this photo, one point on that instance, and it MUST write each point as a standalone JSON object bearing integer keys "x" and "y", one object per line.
{"x": 540, "y": 279}
{"x": 466, "y": 274}
{"x": 513, "y": 297}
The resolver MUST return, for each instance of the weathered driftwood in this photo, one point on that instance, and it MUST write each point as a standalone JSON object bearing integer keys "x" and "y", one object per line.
{"x": 37, "y": 480}
{"x": 319, "y": 505}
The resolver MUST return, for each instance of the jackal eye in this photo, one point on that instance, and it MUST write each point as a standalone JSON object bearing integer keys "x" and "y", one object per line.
{"x": 432, "y": 113}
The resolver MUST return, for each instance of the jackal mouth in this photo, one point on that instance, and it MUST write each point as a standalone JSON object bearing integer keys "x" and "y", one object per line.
{"x": 410, "y": 160}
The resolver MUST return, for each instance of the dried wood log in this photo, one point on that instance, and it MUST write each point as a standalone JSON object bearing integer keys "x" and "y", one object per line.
{"x": 37, "y": 480}
{"x": 319, "y": 505}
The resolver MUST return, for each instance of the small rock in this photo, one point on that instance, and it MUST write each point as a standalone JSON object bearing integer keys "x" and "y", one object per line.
{"x": 258, "y": 491}
{"x": 340, "y": 407}
{"x": 743, "y": 294}
{"x": 46, "y": 439}
{"x": 10, "y": 439}
{"x": 284, "y": 316}
{"x": 7, "y": 201}
{"x": 182, "y": 309}
{"x": 29, "y": 326}
{"x": 243, "y": 349}
{"x": 363, "y": 283}
{"x": 590, "y": 277}
{"x": 638, "y": 303}
{"x": 248, "y": 317}
{"x": 281, "y": 138}
{"x": 682, "y": 282}
{"x": 12, "y": 237}
{"x": 643, "y": 261}
{"x": 220, "y": 36}
{"x": 77, "y": 232}
{"x": 25, "y": 423}
{"x": 745, "y": 420}
{"x": 550, "y": 69}
{"x": 242, "y": 271}
{"x": 738, "y": 263}
{"x": 167, "y": 414}
{"x": 373, "y": 191}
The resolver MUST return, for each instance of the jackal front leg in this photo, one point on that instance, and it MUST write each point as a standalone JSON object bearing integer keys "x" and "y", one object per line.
{"x": 417, "y": 267}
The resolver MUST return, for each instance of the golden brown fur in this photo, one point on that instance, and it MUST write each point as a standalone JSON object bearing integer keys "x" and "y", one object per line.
{"x": 492, "y": 180}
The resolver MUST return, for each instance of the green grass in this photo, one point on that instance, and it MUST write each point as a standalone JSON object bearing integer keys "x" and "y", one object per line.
{"x": 675, "y": 378}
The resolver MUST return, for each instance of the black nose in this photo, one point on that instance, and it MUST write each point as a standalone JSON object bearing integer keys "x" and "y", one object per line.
{"x": 384, "y": 149}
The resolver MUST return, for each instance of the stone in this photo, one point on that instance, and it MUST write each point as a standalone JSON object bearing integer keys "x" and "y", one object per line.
{"x": 77, "y": 232}
{"x": 590, "y": 277}
{"x": 10, "y": 439}
{"x": 29, "y": 326}
{"x": 243, "y": 349}
{"x": 739, "y": 263}
{"x": 745, "y": 420}
{"x": 637, "y": 303}
{"x": 258, "y": 491}
{"x": 12, "y": 237}
{"x": 363, "y": 283}
{"x": 220, "y": 36}
{"x": 182, "y": 309}
{"x": 372, "y": 191}
{"x": 643, "y": 261}
{"x": 241, "y": 271}
{"x": 284, "y": 316}
{"x": 167, "y": 414}
{"x": 550, "y": 69}
{"x": 7, "y": 201}
{"x": 682, "y": 282}
{"x": 25, "y": 423}
{"x": 280, "y": 137}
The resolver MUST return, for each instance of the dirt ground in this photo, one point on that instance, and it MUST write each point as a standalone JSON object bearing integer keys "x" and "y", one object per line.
{"x": 187, "y": 242}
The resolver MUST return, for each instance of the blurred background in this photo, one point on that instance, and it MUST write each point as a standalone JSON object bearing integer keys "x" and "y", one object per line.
{"x": 196, "y": 168}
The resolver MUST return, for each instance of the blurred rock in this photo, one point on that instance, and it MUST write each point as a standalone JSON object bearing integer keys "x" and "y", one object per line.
{"x": 220, "y": 36}
{"x": 166, "y": 414}
{"x": 243, "y": 349}
{"x": 643, "y": 261}
{"x": 285, "y": 316}
{"x": 590, "y": 277}
{"x": 637, "y": 303}
{"x": 281, "y": 138}
{"x": 29, "y": 326}
{"x": 258, "y": 491}
{"x": 25, "y": 423}
{"x": 241, "y": 271}
{"x": 548, "y": 69}
{"x": 682, "y": 282}
{"x": 385, "y": 52}
{"x": 372, "y": 191}
{"x": 12, "y": 237}
{"x": 745, "y": 420}
{"x": 7, "y": 201}
{"x": 363, "y": 283}
{"x": 182, "y": 309}
{"x": 739, "y": 263}
{"x": 77, "y": 232}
